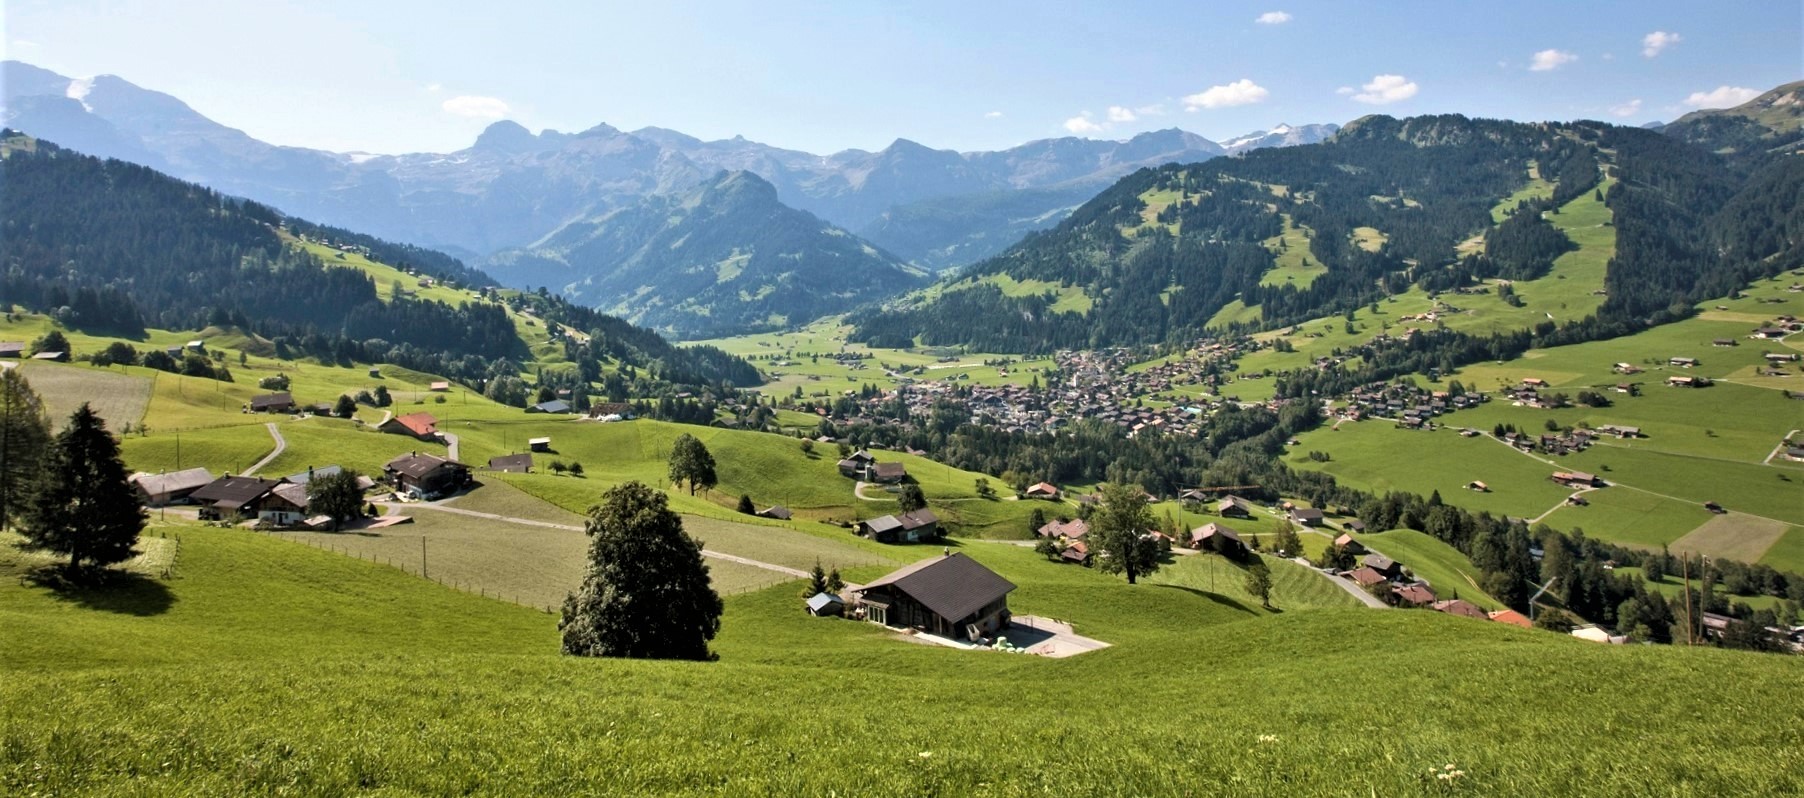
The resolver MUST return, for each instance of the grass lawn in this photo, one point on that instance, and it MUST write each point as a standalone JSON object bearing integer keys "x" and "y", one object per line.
{"x": 1630, "y": 517}
{"x": 269, "y": 666}
{"x": 1377, "y": 456}
{"x": 1444, "y": 567}
{"x": 1787, "y": 553}
{"x": 218, "y": 449}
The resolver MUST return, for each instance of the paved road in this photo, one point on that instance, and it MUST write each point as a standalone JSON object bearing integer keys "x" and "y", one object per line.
{"x": 1346, "y": 585}
{"x": 281, "y": 444}
{"x": 450, "y": 446}
{"x": 390, "y": 508}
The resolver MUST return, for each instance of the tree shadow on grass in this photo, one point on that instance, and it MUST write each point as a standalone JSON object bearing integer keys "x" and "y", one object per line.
{"x": 121, "y": 592}
{"x": 1215, "y": 597}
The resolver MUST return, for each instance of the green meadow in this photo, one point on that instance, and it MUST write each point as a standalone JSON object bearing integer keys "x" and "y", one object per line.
{"x": 1450, "y": 573}
{"x": 268, "y": 666}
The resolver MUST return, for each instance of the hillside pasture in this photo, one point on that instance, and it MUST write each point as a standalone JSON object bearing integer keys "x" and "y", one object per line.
{"x": 1630, "y": 517}
{"x": 1450, "y": 573}
{"x": 1376, "y": 456}
{"x": 1732, "y": 536}
{"x": 218, "y": 449}
{"x": 119, "y": 398}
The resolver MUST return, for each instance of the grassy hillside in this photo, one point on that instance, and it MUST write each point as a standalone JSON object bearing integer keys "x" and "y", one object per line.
{"x": 1450, "y": 573}
{"x": 267, "y": 666}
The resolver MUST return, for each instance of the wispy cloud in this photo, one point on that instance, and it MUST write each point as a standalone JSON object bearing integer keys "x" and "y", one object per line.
{"x": 1083, "y": 125}
{"x": 434, "y": 88}
{"x": 1548, "y": 60}
{"x": 1383, "y": 90}
{"x": 993, "y": 115}
{"x": 475, "y": 106}
{"x": 1659, "y": 40}
{"x": 1627, "y": 109}
{"x": 1120, "y": 114}
{"x": 1240, "y": 92}
{"x": 1273, "y": 18}
{"x": 1721, "y": 97}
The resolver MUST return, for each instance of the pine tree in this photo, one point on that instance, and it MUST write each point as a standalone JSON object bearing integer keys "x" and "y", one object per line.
{"x": 835, "y": 585}
{"x": 82, "y": 505}
{"x": 817, "y": 582}
{"x": 646, "y": 593}
{"x": 24, "y": 434}
{"x": 745, "y": 505}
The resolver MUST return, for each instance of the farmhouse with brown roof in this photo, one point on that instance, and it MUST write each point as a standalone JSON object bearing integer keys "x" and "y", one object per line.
{"x": 952, "y": 596}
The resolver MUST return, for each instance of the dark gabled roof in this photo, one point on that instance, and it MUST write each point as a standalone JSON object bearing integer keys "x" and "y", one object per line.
{"x": 511, "y": 462}
{"x": 778, "y": 512}
{"x": 235, "y": 491}
{"x": 553, "y": 406}
{"x": 419, "y": 465}
{"x": 918, "y": 519}
{"x": 1306, "y": 512}
{"x": 883, "y": 523}
{"x": 1379, "y": 562}
{"x": 272, "y": 400}
{"x": 293, "y": 494}
{"x": 889, "y": 470}
{"x": 952, "y": 586}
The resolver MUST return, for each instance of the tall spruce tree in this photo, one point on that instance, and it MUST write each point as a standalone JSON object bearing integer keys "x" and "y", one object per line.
{"x": 82, "y": 505}
{"x": 24, "y": 434}
{"x": 646, "y": 594}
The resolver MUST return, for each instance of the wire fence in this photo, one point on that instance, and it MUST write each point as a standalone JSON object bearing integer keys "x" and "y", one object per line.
{"x": 423, "y": 571}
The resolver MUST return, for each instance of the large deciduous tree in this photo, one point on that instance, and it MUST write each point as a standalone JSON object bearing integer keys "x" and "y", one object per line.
{"x": 82, "y": 506}
{"x": 24, "y": 433}
{"x": 691, "y": 463}
{"x": 1118, "y": 530}
{"x": 336, "y": 496}
{"x": 911, "y": 498}
{"x": 646, "y": 594}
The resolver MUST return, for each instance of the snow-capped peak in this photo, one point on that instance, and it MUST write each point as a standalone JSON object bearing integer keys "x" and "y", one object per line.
{"x": 78, "y": 91}
{"x": 1281, "y": 129}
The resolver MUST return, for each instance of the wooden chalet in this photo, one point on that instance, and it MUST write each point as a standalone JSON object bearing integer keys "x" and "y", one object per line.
{"x": 1041, "y": 490}
{"x": 12, "y": 349}
{"x": 777, "y": 512}
{"x": 1219, "y": 539}
{"x": 887, "y": 473}
{"x": 418, "y": 425}
{"x": 426, "y": 476}
{"x": 1234, "y": 507}
{"x": 1461, "y": 607}
{"x": 1384, "y": 565}
{"x": 951, "y": 596}
{"x": 1076, "y": 551}
{"x": 1346, "y": 541}
{"x": 231, "y": 498}
{"x": 1074, "y": 529}
{"x": 912, "y": 527}
{"x": 1576, "y": 479}
{"x": 272, "y": 403}
{"x": 1415, "y": 595}
{"x": 1366, "y": 577}
{"x": 1306, "y": 516}
{"x": 512, "y": 463}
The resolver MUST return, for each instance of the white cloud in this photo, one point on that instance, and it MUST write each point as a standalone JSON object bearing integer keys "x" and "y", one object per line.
{"x": 1721, "y": 97}
{"x": 1547, "y": 60}
{"x": 1273, "y": 18}
{"x": 1082, "y": 125}
{"x": 1120, "y": 114}
{"x": 1653, "y": 43}
{"x": 1345, "y": 90}
{"x": 23, "y": 44}
{"x": 1629, "y": 108}
{"x": 434, "y": 88}
{"x": 1240, "y": 92}
{"x": 1384, "y": 90}
{"x": 993, "y": 115}
{"x": 473, "y": 106}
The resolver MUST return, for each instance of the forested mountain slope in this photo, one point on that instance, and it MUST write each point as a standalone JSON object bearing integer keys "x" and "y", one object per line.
{"x": 1389, "y": 206}
{"x": 112, "y": 247}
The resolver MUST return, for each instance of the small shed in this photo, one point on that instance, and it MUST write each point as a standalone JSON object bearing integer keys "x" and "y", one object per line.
{"x": 821, "y": 604}
{"x": 777, "y": 512}
{"x": 539, "y": 444}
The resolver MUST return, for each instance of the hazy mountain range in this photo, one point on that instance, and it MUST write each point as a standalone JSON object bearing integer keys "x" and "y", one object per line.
{"x": 512, "y": 201}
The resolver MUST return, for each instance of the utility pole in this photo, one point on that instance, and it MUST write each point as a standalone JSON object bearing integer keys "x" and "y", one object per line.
{"x": 1687, "y": 577}
{"x": 423, "y": 558}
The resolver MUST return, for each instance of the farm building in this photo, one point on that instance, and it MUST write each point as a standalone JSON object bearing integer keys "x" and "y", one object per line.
{"x": 887, "y": 473}
{"x": 1384, "y": 565}
{"x": 54, "y": 357}
{"x": 1074, "y": 529}
{"x": 778, "y": 512}
{"x": 1217, "y": 538}
{"x": 440, "y": 386}
{"x": 1306, "y": 516}
{"x": 911, "y": 527}
{"x": 1462, "y": 608}
{"x": 156, "y": 490}
{"x": 951, "y": 596}
{"x": 1478, "y": 486}
{"x": 286, "y": 505}
{"x": 1598, "y": 634}
{"x": 418, "y": 425}
{"x": 1576, "y": 479}
{"x": 512, "y": 463}
{"x": 539, "y": 444}
{"x": 426, "y": 476}
{"x": 1366, "y": 577}
{"x": 1041, "y": 490}
{"x": 12, "y": 349}
{"x": 272, "y": 403}
{"x": 1353, "y": 525}
{"x": 1347, "y": 542}
{"x": 1415, "y": 595}
{"x": 1620, "y": 431}
{"x": 855, "y": 464}
{"x": 233, "y": 498}
{"x": 1512, "y": 618}
{"x": 1076, "y": 551}
{"x": 1683, "y": 362}
{"x": 822, "y": 604}
{"x": 375, "y": 373}
{"x": 1234, "y": 507}
{"x": 555, "y": 406}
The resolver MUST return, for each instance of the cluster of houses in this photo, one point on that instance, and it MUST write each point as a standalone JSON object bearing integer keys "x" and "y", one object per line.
{"x": 1405, "y": 403}
{"x": 915, "y": 526}
{"x": 283, "y": 501}
{"x": 1385, "y": 577}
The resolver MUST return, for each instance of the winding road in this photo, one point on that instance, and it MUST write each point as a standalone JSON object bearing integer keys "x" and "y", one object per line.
{"x": 281, "y": 445}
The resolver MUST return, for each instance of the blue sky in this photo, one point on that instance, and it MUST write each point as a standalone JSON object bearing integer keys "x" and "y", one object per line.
{"x": 403, "y": 75}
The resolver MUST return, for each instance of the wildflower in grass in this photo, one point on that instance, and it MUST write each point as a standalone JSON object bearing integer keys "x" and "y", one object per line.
{"x": 1268, "y": 738}
{"x": 926, "y": 754}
